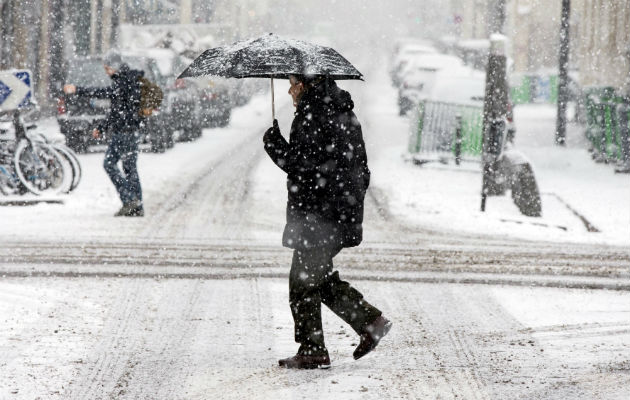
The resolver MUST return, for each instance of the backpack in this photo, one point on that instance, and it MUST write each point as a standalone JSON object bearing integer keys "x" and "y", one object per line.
{"x": 150, "y": 96}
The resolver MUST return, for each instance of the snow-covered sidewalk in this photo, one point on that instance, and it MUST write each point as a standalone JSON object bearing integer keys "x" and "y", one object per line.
{"x": 447, "y": 197}
{"x": 87, "y": 212}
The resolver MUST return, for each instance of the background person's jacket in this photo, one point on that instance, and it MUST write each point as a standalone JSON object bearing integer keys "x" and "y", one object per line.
{"x": 124, "y": 95}
{"x": 327, "y": 173}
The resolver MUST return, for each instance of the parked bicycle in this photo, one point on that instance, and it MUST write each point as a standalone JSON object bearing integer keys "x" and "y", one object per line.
{"x": 69, "y": 156}
{"x": 31, "y": 165}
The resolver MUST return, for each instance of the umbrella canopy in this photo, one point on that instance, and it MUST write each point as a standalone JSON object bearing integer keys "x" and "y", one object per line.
{"x": 271, "y": 56}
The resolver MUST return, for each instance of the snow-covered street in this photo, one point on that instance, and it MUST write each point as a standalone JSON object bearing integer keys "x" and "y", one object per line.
{"x": 191, "y": 301}
{"x": 151, "y": 338}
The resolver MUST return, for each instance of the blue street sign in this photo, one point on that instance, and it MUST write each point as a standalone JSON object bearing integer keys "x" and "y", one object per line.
{"x": 15, "y": 90}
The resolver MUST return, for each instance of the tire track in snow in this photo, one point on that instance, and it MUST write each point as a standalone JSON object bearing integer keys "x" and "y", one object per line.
{"x": 131, "y": 259}
{"x": 145, "y": 339}
{"x": 463, "y": 342}
{"x": 108, "y": 361}
{"x": 168, "y": 213}
{"x": 217, "y": 203}
{"x": 161, "y": 362}
{"x": 247, "y": 328}
{"x": 577, "y": 255}
{"x": 216, "y": 207}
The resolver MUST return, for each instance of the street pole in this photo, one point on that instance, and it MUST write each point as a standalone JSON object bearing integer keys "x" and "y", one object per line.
{"x": 563, "y": 95}
{"x": 494, "y": 112}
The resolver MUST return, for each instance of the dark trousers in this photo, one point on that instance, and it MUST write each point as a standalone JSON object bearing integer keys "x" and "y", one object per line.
{"x": 124, "y": 146}
{"x": 312, "y": 281}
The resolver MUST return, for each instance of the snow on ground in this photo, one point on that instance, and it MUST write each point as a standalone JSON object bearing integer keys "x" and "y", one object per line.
{"x": 576, "y": 328}
{"x": 435, "y": 196}
{"x": 447, "y": 197}
{"x": 62, "y": 337}
{"x": 87, "y": 212}
{"x": 594, "y": 190}
{"x": 199, "y": 339}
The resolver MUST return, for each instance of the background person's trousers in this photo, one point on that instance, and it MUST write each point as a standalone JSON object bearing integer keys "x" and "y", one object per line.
{"x": 312, "y": 282}
{"x": 124, "y": 146}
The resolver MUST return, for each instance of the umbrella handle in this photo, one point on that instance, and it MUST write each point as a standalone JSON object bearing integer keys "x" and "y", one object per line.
{"x": 273, "y": 107}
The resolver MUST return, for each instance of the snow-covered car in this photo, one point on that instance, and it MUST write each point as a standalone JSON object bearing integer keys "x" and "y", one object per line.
{"x": 192, "y": 104}
{"x": 404, "y": 55}
{"x": 462, "y": 86}
{"x": 242, "y": 90}
{"x": 78, "y": 116}
{"x": 216, "y": 101}
{"x": 418, "y": 76}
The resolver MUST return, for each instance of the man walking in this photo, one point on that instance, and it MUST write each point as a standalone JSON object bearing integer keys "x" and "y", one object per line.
{"x": 124, "y": 120}
{"x": 327, "y": 177}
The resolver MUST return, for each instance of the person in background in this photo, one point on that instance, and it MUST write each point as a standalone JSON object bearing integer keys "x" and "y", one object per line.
{"x": 123, "y": 122}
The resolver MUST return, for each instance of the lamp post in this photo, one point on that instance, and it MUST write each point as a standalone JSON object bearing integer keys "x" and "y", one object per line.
{"x": 494, "y": 112}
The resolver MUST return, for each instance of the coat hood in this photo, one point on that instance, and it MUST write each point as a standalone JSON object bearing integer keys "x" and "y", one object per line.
{"x": 329, "y": 93}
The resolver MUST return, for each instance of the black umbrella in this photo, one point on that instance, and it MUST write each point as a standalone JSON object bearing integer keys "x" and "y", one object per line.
{"x": 271, "y": 56}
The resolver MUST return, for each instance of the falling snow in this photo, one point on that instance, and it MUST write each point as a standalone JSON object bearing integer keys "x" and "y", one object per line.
{"x": 519, "y": 107}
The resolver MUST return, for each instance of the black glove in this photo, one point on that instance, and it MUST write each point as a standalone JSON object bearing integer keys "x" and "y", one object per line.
{"x": 270, "y": 133}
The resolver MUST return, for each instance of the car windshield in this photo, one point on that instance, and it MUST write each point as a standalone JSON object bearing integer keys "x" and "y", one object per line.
{"x": 434, "y": 61}
{"x": 138, "y": 63}
{"x": 418, "y": 50}
{"x": 88, "y": 73}
{"x": 459, "y": 90}
{"x": 142, "y": 64}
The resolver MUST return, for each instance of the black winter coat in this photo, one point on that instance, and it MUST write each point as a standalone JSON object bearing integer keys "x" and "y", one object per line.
{"x": 124, "y": 95}
{"x": 327, "y": 172}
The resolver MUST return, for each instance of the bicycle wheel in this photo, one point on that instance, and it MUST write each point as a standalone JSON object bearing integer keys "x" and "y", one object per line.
{"x": 9, "y": 182}
{"x": 72, "y": 159}
{"x": 40, "y": 168}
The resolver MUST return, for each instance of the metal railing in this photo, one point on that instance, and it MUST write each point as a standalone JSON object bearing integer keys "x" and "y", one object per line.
{"x": 446, "y": 129}
{"x": 608, "y": 125}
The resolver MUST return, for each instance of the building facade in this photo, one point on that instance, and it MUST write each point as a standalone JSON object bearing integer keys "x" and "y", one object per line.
{"x": 599, "y": 38}
{"x": 533, "y": 27}
{"x": 603, "y": 42}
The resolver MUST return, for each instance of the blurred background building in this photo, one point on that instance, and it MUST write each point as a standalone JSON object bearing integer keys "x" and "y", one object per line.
{"x": 40, "y": 34}
{"x": 602, "y": 37}
{"x": 599, "y": 42}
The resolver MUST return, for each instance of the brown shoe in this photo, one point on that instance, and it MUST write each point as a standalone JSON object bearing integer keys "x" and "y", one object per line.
{"x": 372, "y": 334}
{"x": 302, "y": 361}
{"x": 131, "y": 209}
